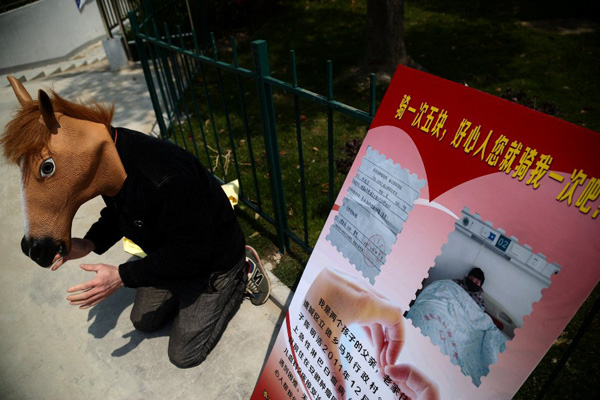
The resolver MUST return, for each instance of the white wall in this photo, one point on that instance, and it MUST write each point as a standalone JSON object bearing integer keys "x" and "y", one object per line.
{"x": 46, "y": 30}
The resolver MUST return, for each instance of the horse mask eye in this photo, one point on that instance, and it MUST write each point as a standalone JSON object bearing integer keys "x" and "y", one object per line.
{"x": 47, "y": 168}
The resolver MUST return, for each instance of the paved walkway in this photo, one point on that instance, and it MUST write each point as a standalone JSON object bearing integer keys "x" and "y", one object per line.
{"x": 50, "y": 350}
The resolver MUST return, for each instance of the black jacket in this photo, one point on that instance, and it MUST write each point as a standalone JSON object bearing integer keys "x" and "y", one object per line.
{"x": 173, "y": 208}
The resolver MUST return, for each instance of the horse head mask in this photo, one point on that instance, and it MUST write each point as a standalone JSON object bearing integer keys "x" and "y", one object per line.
{"x": 66, "y": 156}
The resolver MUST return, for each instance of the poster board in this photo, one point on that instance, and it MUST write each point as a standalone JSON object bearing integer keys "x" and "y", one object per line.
{"x": 447, "y": 179}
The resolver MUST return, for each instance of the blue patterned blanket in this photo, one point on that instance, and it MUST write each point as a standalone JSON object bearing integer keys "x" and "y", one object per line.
{"x": 454, "y": 322}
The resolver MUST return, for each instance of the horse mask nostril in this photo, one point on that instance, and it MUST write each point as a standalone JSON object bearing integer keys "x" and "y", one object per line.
{"x": 25, "y": 246}
{"x": 42, "y": 251}
{"x": 35, "y": 252}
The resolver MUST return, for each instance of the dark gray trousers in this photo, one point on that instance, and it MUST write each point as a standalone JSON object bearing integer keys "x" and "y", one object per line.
{"x": 201, "y": 308}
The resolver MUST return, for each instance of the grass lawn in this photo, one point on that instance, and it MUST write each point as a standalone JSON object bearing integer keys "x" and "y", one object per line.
{"x": 545, "y": 54}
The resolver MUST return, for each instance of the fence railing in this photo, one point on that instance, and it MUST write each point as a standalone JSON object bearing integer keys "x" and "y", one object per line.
{"x": 226, "y": 115}
{"x": 114, "y": 12}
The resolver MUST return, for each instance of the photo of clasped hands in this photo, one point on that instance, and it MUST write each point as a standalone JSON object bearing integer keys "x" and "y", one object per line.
{"x": 381, "y": 320}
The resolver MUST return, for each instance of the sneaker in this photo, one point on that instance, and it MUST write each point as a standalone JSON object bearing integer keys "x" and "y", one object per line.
{"x": 259, "y": 286}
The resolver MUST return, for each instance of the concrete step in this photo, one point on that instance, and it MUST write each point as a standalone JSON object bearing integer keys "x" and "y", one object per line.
{"x": 4, "y": 80}
{"x": 34, "y": 74}
{"x": 67, "y": 66}
{"x": 281, "y": 295}
{"x": 56, "y": 68}
{"x": 80, "y": 63}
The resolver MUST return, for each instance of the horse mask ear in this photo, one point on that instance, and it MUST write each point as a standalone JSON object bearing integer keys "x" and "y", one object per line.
{"x": 20, "y": 91}
{"x": 47, "y": 112}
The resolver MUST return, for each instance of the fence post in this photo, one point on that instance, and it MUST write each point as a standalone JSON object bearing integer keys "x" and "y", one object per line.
{"x": 117, "y": 13}
{"x": 104, "y": 18}
{"x": 147, "y": 74}
{"x": 267, "y": 112}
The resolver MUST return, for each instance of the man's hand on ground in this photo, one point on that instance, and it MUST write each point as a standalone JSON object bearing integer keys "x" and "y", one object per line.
{"x": 79, "y": 248}
{"x": 92, "y": 292}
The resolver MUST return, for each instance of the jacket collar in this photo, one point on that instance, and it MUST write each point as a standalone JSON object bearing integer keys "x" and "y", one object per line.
{"x": 119, "y": 137}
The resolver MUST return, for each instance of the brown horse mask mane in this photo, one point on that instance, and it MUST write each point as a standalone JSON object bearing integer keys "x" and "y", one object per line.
{"x": 67, "y": 157}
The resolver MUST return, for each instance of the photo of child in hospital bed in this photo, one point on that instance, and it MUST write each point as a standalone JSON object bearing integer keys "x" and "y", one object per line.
{"x": 477, "y": 293}
{"x": 454, "y": 321}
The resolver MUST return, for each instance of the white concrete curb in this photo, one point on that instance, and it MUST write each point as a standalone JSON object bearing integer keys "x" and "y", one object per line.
{"x": 281, "y": 295}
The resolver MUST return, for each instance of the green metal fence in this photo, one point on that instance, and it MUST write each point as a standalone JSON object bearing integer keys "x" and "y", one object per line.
{"x": 234, "y": 119}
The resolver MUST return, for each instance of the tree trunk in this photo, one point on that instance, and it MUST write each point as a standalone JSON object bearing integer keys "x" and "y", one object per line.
{"x": 385, "y": 33}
